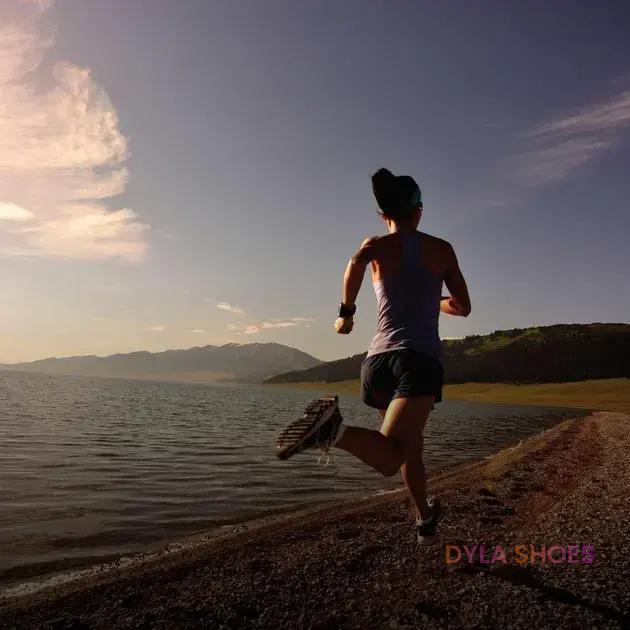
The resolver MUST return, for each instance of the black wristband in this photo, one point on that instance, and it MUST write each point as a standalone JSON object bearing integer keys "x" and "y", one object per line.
{"x": 347, "y": 311}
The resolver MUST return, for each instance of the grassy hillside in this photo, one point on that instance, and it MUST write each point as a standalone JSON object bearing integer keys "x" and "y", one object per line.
{"x": 612, "y": 394}
{"x": 561, "y": 353}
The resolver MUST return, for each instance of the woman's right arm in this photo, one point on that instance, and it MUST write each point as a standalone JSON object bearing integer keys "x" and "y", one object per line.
{"x": 459, "y": 301}
{"x": 352, "y": 281}
{"x": 353, "y": 277}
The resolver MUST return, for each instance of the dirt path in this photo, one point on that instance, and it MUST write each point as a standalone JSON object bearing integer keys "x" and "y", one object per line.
{"x": 358, "y": 566}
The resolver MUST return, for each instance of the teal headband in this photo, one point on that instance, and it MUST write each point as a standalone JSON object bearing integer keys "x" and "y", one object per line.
{"x": 416, "y": 199}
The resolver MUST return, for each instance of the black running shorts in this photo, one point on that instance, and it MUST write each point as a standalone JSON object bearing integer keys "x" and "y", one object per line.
{"x": 400, "y": 374}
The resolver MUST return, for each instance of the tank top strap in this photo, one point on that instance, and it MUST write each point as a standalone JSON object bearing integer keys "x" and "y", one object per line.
{"x": 411, "y": 250}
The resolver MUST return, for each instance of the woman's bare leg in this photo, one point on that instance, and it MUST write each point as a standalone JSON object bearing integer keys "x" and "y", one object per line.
{"x": 414, "y": 476}
{"x": 404, "y": 423}
{"x": 398, "y": 444}
{"x": 373, "y": 448}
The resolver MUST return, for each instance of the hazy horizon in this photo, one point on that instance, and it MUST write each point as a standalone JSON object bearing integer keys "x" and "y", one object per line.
{"x": 198, "y": 173}
{"x": 244, "y": 343}
{"x": 206, "y": 345}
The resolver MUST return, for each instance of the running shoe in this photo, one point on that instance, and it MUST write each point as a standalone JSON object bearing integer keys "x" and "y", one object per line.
{"x": 316, "y": 429}
{"x": 426, "y": 529}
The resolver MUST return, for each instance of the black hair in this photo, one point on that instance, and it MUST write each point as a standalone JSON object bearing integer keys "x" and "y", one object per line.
{"x": 395, "y": 194}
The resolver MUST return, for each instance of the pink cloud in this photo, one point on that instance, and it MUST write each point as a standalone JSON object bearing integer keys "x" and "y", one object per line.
{"x": 62, "y": 158}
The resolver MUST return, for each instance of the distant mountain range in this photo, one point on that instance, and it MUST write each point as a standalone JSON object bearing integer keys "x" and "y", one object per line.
{"x": 565, "y": 352}
{"x": 250, "y": 362}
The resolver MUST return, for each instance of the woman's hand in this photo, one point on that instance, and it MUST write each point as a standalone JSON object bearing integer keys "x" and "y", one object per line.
{"x": 344, "y": 325}
{"x": 450, "y": 306}
{"x": 459, "y": 302}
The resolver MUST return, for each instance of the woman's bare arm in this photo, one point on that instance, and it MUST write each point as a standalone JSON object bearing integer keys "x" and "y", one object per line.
{"x": 355, "y": 271}
{"x": 459, "y": 301}
{"x": 352, "y": 281}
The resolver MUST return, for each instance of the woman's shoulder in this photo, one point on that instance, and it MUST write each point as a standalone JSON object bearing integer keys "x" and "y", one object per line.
{"x": 371, "y": 248}
{"x": 436, "y": 241}
{"x": 370, "y": 240}
{"x": 373, "y": 242}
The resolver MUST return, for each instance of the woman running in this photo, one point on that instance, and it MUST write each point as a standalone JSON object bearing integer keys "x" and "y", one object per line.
{"x": 401, "y": 375}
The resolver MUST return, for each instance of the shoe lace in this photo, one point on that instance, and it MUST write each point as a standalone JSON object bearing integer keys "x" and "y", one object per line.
{"x": 325, "y": 448}
{"x": 325, "y": 455}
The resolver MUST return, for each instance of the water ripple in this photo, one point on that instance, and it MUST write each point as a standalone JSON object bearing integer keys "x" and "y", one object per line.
{"x": 90, "y": 468}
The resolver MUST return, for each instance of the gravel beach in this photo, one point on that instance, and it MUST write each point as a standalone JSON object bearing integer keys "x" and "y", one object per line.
{"x": 356, "y": 564}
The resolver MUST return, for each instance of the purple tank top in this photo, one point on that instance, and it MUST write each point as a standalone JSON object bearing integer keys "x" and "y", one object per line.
{"x": 408, "y": 305}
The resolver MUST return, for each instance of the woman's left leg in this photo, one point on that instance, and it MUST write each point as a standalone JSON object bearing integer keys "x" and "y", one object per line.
{"x": 397, "y": 445}
{"x": 404, "y": 423}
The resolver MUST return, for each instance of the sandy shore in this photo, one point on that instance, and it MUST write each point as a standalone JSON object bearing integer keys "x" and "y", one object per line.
{"x": 357, "y": 565}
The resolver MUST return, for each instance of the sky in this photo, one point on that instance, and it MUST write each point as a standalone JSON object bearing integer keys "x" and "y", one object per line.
{"x": 175, "y": 174}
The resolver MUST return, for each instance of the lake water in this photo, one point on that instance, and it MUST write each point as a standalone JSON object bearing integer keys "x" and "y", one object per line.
{"x": 94, "y": 468}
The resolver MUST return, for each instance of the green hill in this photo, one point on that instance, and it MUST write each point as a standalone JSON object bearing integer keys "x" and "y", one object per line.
{"x": 560, "y": 353}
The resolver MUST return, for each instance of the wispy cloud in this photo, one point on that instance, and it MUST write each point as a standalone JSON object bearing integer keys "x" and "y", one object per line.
{"x": 278, "y": 324}
{"x": 224, "y": 306}
{"x": 42, "y": 5}
{"x": 563, "y": 145}
{"x": 551, "y": 163}
{"x": 156, "y": 328}
{"x": 197, "y": 331}
{"x": 609, "y": 115}
{"x": 62, "y": 156}
{"x": 287, "y": 322}
{"x": 244, "y": 329}
{"x": 13, "y": 212}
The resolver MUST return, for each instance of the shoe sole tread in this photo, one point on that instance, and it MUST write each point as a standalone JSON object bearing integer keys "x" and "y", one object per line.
{"x": 289, "y": 441}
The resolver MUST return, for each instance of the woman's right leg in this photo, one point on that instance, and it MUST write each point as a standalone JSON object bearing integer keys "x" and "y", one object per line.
{"x": 373, "y": 448}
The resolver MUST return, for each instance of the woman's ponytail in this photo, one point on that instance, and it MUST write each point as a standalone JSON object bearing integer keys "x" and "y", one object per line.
{"x": 384, "y": 187}
{"x": 394, "y": 195}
